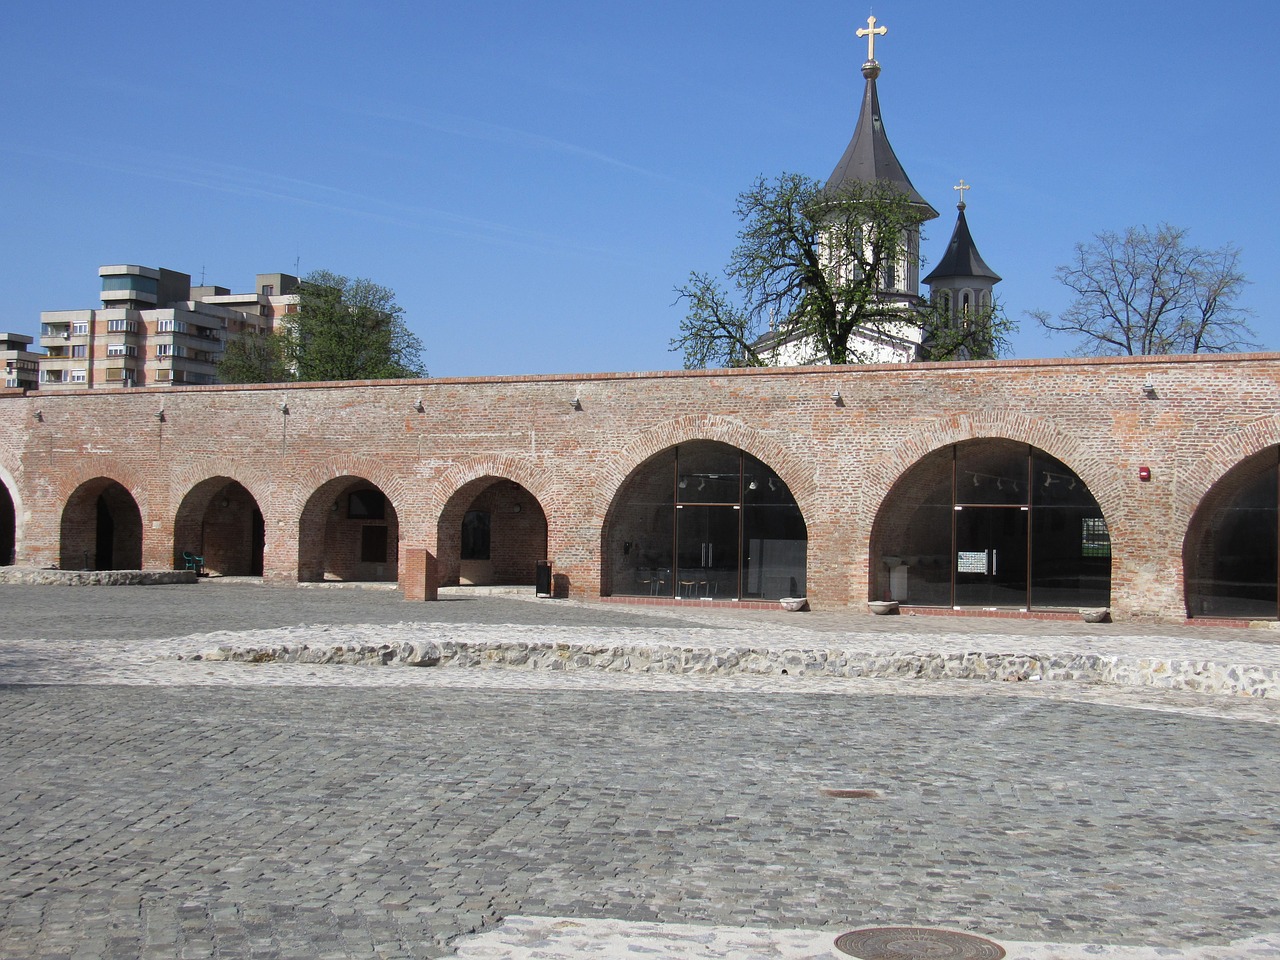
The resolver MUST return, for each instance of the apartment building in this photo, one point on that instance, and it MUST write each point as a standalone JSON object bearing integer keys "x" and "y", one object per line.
{"x": 154, "y": 327}
{"x": 21, "y": 364}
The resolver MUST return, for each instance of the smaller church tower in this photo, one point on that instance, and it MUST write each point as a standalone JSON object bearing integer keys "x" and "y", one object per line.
{"x": 962, "y": 283}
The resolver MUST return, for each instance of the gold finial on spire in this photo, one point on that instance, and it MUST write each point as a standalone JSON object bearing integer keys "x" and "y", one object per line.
{"x": 962, "y": 187}
{"x": 870, "y": 31}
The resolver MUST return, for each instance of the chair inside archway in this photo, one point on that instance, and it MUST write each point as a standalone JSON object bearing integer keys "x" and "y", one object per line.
{"x": 1230, "y": 551}
{"x": 492, "y": 532}
{"x": 704, "y": 520}
{"x": 101, "y": 528}
{"x": 220, "y": 524}
{"x": 991, "y": 524}
{"x": 349, "y": 532}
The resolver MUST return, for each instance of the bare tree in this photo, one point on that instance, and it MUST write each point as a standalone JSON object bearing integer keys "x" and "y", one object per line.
{"x": 1150, "y": 292}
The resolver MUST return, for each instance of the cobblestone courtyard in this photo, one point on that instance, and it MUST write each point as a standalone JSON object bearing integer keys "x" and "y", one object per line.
{"x": 248, "y": 812}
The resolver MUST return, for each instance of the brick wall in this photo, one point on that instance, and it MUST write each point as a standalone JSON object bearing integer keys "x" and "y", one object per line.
{"x": 296, "y": 449}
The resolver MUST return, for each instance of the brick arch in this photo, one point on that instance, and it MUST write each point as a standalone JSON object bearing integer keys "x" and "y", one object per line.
{"x": 12, "y": 528}
{"x": 1207, "y": 485}
{"x": 1210, "y": 467}
{"x": 499, "y": 466}
{"x": 796, "y": 472}
{"x": 324, "y": 549}
{"x": 69, "y": 481}
{"x": 798, "y": 477}
{"x": 519, "y": 540}
{"x": 298, "y": 491}
{"x": 897, "y": 504}
{"x": 190, "y": 475}
{"x": 80, "y": 530}
{"x": 885, "y": 472}
{"x": 228, "y": 534}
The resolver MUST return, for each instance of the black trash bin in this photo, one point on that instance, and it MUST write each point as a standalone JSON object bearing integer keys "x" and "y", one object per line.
{"x": 542, "y": 579}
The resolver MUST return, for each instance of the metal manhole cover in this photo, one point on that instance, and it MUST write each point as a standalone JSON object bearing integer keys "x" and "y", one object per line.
{"x": 915, "y": 943}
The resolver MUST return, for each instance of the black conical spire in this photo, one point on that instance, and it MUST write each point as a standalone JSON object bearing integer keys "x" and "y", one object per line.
{"x": 869, "y": 158}
{"x": 962, "y": 258}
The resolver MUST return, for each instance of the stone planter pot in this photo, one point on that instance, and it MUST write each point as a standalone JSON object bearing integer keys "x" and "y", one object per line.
{"x": 1096, "y": 614}
{"x": 793, "y": 604}
{"x": 882, "y": 607}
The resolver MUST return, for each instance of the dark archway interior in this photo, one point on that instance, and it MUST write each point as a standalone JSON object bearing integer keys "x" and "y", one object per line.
{"x": 491, "y": 532}
{"x": 101, "y": 528}
{"x": 1230, "y": 554}
{"x": 995, "y": 524}
{"x": 8, "y": 527}
{"x": 219, "y": 520}
{"x": 705, "y": 520}
{"x": 349, "y": 532}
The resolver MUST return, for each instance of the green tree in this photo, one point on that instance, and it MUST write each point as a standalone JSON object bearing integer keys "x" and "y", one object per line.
{"x": 1150, "y": 292}
{"x": 343, "y": 329}
{"x": 808, "y": 262}
{"x": 348, "y": 329}
{"x": 254, "y": 358}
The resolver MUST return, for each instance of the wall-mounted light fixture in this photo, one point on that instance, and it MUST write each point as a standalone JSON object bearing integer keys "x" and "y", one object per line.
{"x": 836, "y": 398}
{"x": 38, "y": 416}
{"x": 1149, "y": 390}
{"x": 284, "y": 407}
{"x": 417, "y": 405}
{"x": 160, "y": 414}
{"x": 1144, "y": 474}
{"x": 575, "y": 403}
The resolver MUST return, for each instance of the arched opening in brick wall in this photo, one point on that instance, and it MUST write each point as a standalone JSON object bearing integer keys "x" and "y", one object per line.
{"x": 992, "y": 524}
{"x": 8, "y": 527}
{"x": 492, "y": 531}
{"x": 220, "y": 521}
{"x": 349, "y": 531}
{"x": 704, "y": 520}
{"x": 101, "y": 528}
{"x": 1230, "y": 552}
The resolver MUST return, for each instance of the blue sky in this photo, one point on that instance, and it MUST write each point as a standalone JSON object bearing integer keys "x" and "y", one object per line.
{"x": 533, "y": 179}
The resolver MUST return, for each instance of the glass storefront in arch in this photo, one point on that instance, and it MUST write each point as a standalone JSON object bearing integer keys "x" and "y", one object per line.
{"x": 1230, "y": 553}
{"x": 991, "y": 524}
{"x": 705, "y": 520}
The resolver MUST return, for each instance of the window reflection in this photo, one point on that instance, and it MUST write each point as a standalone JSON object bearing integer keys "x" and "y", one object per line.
{"x": 705, "y": 520}
{"x": 991, "y": 523}
{"x": 1232, "y": 561}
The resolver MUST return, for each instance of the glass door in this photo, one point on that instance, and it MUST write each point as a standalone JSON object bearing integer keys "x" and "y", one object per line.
{"x": 707, "y": 547}
{"x": 991, "y": 557}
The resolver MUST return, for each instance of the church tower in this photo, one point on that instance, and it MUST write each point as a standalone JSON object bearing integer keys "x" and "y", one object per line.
{"x": 962, "y": 283}
{"x": 870, "y": 159}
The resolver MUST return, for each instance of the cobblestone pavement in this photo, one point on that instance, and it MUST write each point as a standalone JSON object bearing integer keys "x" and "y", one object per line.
{"x": 155, "y": 807}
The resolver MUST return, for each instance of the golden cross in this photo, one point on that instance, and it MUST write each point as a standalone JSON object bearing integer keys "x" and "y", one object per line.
{"x": 962, "y": 188}
{"x": 870, "y": 31}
